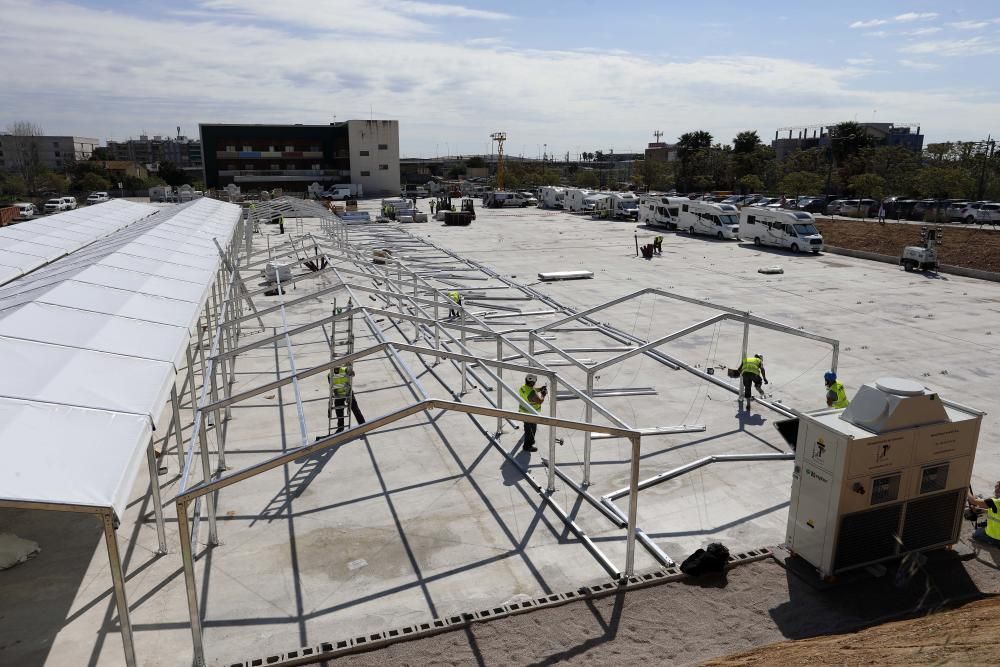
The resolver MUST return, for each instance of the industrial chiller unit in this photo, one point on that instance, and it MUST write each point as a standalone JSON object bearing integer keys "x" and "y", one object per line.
{"x": 884, "y": 477}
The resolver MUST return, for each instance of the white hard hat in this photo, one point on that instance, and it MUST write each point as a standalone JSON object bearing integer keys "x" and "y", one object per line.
{"x": 531, "y": 378}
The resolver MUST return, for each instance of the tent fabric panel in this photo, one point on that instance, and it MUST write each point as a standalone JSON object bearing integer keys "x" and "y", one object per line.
{"x": 139, "y": 282}
{"x": 74, "y": 456}
{"x": 102, "y": 299}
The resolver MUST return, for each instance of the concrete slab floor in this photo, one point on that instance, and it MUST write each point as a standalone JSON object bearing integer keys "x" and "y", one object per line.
{"x": 425, "y": 517}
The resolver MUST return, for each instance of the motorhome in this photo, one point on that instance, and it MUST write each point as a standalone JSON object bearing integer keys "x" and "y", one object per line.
{"x": 574, "y": 199}
{"x": 504, "y": 200}
{"x": 718, "y": 220}
{"x": 624, "y": 205}
{"x": 595, "y": 202}
{"x": 551, "y": 196}
{"x": 783, "y": 229}
{"x": 660, "y": 210}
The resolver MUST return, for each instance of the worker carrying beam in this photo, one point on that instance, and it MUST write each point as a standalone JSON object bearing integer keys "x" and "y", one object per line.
{"x": 990, "y": 533}
{"x": 342, "y": 387}
{"x": 457, "y": 298}
{"x": 534, "y": 398}
{"x": 752, "y": 372}
{"x": 836, "y": 395}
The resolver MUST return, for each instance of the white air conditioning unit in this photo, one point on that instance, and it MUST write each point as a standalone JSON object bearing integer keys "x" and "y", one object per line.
{"x": 884, "y": 477}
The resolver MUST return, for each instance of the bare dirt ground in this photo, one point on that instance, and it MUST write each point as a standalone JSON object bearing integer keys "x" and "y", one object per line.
{"x": 963, "y": 636}
{"x": 755, "y": 605}
{"x": 971, "y": 248}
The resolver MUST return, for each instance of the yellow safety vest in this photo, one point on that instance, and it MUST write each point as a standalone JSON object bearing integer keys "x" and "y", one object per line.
{"x": 340, "y": 383}
{"x": 455, "y": 296}
{"x": 841, "y": 400}
{"x": 993, "y": 521}
{"x": 525, "y": 392}
{"x": 751, "y": 365}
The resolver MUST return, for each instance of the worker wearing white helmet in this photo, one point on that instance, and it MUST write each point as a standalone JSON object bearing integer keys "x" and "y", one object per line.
{"x": 534, "y": 398}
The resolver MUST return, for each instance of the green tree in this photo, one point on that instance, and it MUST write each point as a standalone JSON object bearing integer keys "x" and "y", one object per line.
{"x": 750, "y": 183}
{"x": 746, "y": 141}
{"x": 475, "y": 162}
{"x": 943, "y": 182}
{"x": 848, "y": 139}
{"x": 586, "y": 178}
{"x": 91, "y": 183}
{"x": 867, "y": 186}
{"x": 696, "y": 164}
{"x": 800, "y": 183}
{"x": 170, "y": 173}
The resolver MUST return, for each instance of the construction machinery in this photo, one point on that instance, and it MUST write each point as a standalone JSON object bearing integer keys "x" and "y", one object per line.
{"x": 923, "y": 257}
{"x": 500, "y": 138}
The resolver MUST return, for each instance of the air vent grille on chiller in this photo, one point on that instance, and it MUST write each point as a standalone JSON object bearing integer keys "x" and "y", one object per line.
{"x": 867, "y": 536}
{"x": 932, "y": 520}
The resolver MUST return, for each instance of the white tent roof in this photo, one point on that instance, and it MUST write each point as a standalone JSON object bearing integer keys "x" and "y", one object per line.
{"x": 89, "y": 347}
{"x": 29, "y": 245}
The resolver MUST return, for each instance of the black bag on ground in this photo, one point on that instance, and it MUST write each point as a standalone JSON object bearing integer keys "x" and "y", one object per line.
{"x": 704, "y": 561}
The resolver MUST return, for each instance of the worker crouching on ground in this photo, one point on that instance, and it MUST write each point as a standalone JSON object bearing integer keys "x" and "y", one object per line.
{"x": 836, "y": 395}
{"x": 534, "y": 398}
{"x": 341, "y": 384}
{"x": 990, "y": 533}
{"x": 457, "y": 298}
{"x": 752, "y": 372}
{"x": 658, "y": 245}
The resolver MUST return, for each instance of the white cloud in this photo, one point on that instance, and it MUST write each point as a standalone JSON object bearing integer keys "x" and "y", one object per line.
{"x": 868, "y": 24}
{"x": 915, "y": 16}
{"x": 876, "y": 33}
{"x": 435, "y": 9}
{"x": 974, "y": 46}
{"x": 922, "y": 31}
{"x": 860, "y": 61}
{"x": 913, "y": 64}
{"x": 973, "y": 25}
{"x": 158, "y": 72}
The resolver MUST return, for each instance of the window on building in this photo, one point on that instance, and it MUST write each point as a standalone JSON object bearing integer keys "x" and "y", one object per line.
{"x": 55, "y": 144}
{"x": 231, "y": 149}
{"x": 289, "y": 149}
{"x": 270, "y": 149}
{"x": 275, "y": 166}
{"x": 383, "y": 147}
{"x": 383, "y": 167}
{"x": 247, "y": 148}
{"x": 290, "y": 165}
{"x": 232, "y": 167}
{"x": 316, "y": 166}
{"x": 57, "y": 153}
{"x": 364, "y": 153}
{"x": 366, "y": 173}
{"x": 315, "y": 149}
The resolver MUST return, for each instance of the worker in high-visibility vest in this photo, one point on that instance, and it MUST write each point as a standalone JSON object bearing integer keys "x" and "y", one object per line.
{"x": 534, "y": 398}
{"x": 836, "y": 395}
{"x": 658, "y": 245}
{"x": 990, "y": 533}
{"x": 342, "y": 387}
{"x": 752, "y": 372}
{"x": 457, "y": 298}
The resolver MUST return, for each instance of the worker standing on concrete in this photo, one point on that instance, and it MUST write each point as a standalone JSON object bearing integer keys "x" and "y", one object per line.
{"x": 534, "y": 398}
{"x": 836, "y": 395}
{"x": 342, "y": 386}
{"x": 457, "y": 298}
{"x": 752, "y": 371}
{"x": 658, "y": 245}
{"x": 990, "y": 534}
{"x": 432, "y": 206}
{"x": 281, "y": 224}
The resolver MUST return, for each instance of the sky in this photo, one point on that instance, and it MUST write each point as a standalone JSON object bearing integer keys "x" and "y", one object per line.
{"x": 557, "y": 76}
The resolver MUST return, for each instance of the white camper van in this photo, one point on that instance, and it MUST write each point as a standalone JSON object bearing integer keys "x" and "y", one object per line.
{"x": 504, "y": 199}
{"x": 595, "y": 202}
{"x": 551, "y": 196}
{"x": 624, "y": 205}
{"x": 784, "y": 229}
{"x": 719, "y": 220}
{"x": 574, "y": 199}
{"x": 660, "y": 210}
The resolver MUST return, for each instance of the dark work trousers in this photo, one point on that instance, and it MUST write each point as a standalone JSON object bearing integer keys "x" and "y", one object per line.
{"x": 339, "y": 405}
{"x": 748, "y": 380}
{"x": 530, "y": 429}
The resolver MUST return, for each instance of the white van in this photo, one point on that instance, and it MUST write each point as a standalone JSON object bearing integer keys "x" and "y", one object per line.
{"x": 504, "y": 200}
{"x": 624, "y": 205}
{"x": 784, "y": 229}
{"x": 660, "y": 210}
{"x": 551, "y": 196}
{"x": 25, "y": 211}
{"x": 595, "y": 202}
{"x": 719, "y": 220}
{"x": 574, "y": 199}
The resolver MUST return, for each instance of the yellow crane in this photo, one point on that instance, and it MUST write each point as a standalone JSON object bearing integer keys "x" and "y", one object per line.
{"x": 499, "y": 137}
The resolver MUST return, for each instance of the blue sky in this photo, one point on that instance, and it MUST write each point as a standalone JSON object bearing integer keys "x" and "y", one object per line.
{"x": 573, "y": 76}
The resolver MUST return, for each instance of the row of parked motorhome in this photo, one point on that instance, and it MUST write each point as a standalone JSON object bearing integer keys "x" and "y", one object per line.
{"x": 794, "y": 230}
{"x": 618, "y": 205}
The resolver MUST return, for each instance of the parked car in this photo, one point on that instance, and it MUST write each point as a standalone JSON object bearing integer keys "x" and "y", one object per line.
{"x": 812, "y": 204}
{"x": 930, "y": 210}
{"x": 833, "y": 208}
{"x": 97, "y": 198}
{"x": 858, "y": 208}
{"x": 984, "y": 213}
{"x": 25, "y": 211}
{"x": 530, "y": 199}
{"x": 56, "y": 205}
{"x": 70, "y": 203}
